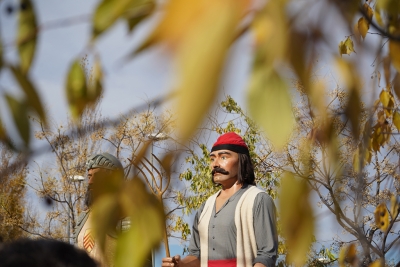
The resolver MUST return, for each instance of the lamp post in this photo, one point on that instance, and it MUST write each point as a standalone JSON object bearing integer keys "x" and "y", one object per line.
{"x": 155, "y": 137}
{"x": 73, "y": 179}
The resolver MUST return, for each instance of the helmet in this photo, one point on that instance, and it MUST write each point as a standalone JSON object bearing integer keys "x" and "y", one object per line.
{"x": 104, "y": 161}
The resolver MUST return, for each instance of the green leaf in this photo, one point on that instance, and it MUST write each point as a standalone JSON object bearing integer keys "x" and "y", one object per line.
{"x": 108, "y": 12}
{"x": 27, "y": 34}
{"x": 19, "y": 113}
{"x": 138, "y": 11}
{"x": 76, "y": 89}
{"x": 270, "y": 105}
{"x": 30, "y": 92}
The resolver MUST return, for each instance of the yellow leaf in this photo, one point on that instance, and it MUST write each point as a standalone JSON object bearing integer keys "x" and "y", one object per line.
{"x": 297, "y": 218}
{"x": 200, "y": 57}
{"x": 394, "y": 54}
{"x": 368, "y": 11}
{"x": 381, "y": 217}
{"x": 270, "y": 30}
{"x": 377, "y": 263}
{"x": 147, "y": 224}
{"x": 346, "y": 47}
{"x": 356, "y": 161}
{"x": 27, "y": 35}
{"x": 30, "y": 92}
{"x": 76, "y": 89}
{"x": 394, "y": 206}
{"x": 270, "y": 105}
{"x": 384, "y": 97}
{"x": 19, "y": 113}
{"x": 348, "y": 254}
{"x": 396, "y": 120}
{"x": 363, "y": 27}
{"x": 95, "y": 89}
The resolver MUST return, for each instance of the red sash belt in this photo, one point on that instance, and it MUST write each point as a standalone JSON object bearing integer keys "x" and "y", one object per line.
{"x": 222, "y": 263}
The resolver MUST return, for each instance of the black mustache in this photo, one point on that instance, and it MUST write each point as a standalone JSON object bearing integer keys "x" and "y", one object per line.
{"x": 219, "y": 170}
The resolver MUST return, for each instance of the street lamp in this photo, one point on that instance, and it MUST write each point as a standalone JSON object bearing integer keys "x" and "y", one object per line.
{"x": 73, "y": 179}
{"x": 155, "y": 137}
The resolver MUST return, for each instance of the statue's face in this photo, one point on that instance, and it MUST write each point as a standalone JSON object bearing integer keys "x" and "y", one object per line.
{"x": 224, "y": 166}
{"x": 93, "y": 174}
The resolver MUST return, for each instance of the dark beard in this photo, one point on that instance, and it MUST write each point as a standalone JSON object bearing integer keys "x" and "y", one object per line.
{"x": 88, "y": 198}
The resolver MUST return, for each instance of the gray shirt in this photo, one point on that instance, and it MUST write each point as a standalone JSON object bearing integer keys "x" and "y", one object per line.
{"x": 222, "y": 230}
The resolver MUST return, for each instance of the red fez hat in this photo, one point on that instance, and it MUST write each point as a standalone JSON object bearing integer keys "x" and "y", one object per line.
{"x": 231, "y": 141}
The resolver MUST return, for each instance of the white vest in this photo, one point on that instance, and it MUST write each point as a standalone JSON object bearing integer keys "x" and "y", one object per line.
{"x": 246, "y": 247}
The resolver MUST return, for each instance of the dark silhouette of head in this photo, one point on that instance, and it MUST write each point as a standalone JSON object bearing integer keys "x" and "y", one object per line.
{"x": 234, "y": 142}
{"x": 43, "y": 253}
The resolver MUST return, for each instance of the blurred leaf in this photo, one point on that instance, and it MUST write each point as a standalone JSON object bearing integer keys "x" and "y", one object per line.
{"x": 270, "y": 105}
{"x": 394, "y": 206}
{"x": 20, "y": 116}
{"x": 95, "y": 89}
{"x": 348, "y": 254}
{"x": 296, "y": 217}
{"x": 363, "y": 27}
{"x": 391, "y": 7}
{"x": 346, "y": 47}
{"x": 381, "y": 217}
{"x": 396, "y": 85}
{"x": 200, "y": 71}
{"x": 298, "y": 58}
{"x": 147, "y": 224}
{"x": 368, "y": 11}
{"x": 358, "y": 155}
{"x": 270, "y": 30}
{"x": 137, "y": 11}
{"x": 107, "y": 13}
{"x": 378, "y": 16}
{"x": 27, "y": 35}
{"x": 104, "y": 214}
{"x": 142, "y": 152}
{"x": 76, "y": 89}
{"x": 377, "y": 263}
{"x": 396, "y": 120}
{"x": 386, "y": 69}
{"x": 353, "y": 111}
{"x": 30, "y": 92}
{"x": 394, "y": 53}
